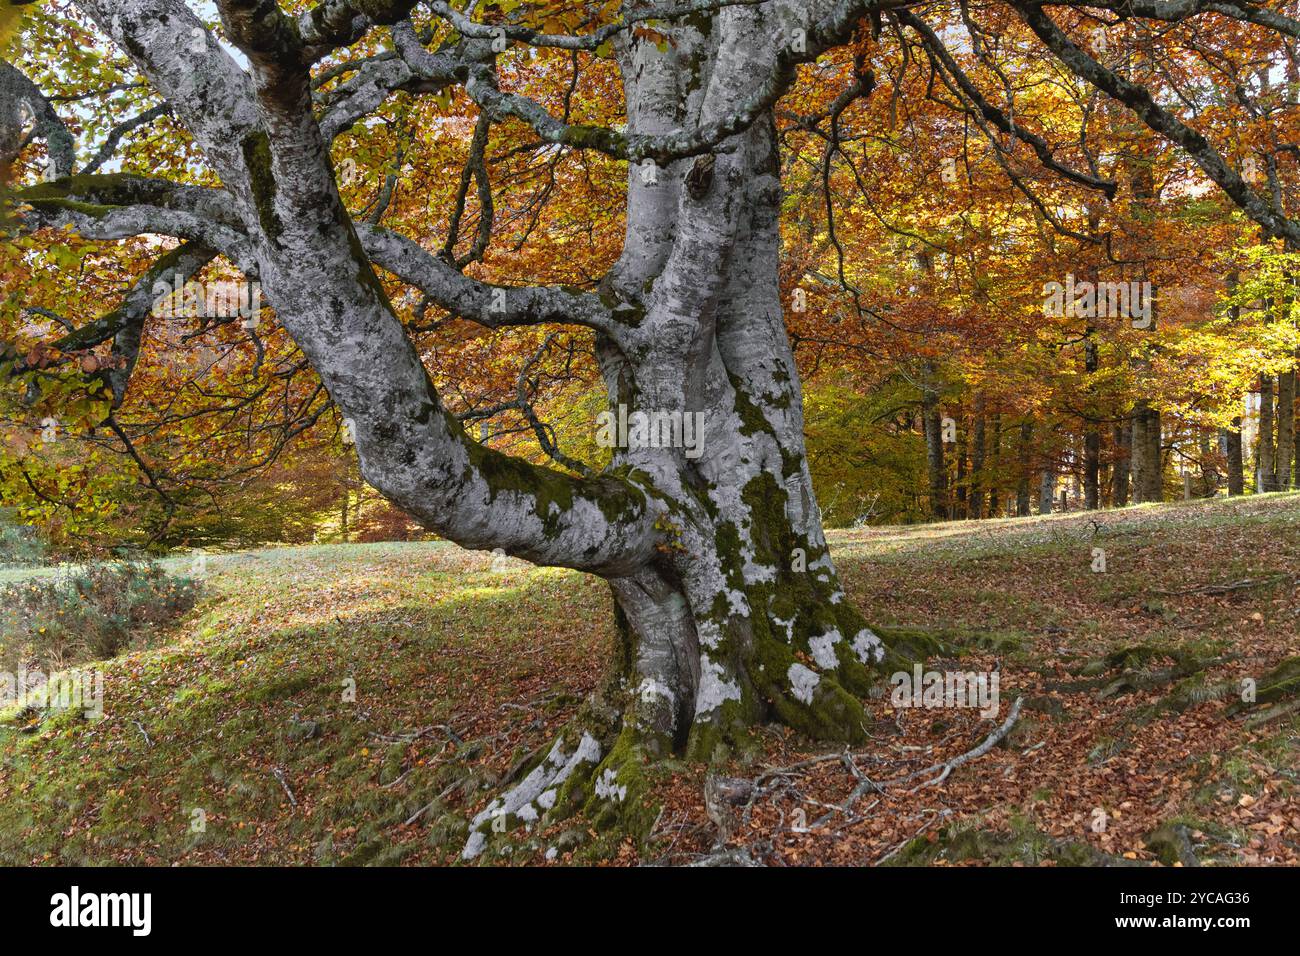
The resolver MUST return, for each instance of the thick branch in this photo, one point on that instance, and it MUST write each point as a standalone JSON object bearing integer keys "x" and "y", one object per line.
{"x": 1140, "y": 100}
{"x": 489, "y": 305}
{"x": 18, "y": 92}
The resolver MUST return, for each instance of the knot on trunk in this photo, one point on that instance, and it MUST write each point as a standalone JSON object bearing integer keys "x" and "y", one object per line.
{"x": 700, "y": 177}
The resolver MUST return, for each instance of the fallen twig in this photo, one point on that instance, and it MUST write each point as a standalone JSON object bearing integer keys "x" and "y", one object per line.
{"x": 279, "y": 775}
{"x": 1223, "y": 588}
{"x": 140, "y": 727}
{"x": 948, "y": 767}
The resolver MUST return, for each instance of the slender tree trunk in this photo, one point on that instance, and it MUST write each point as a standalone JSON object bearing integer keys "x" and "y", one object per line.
{"x": 1230, "y": 437}
{"x": 1046, "y": 491}
{"x": 978, "y": 477}
{"x": 1209, "y": 466}
{"x": 961, "y": 489}
{"x": 1022, "y": 487}
{"x": 1266, "y": 450}
{"x": 1147, "y": 466}
{"x": 934, "y": 456}
{"x": 1092, "y": 469}
{"x": 1285, "y": 429}
{"x": 994, "y": 460}
{"x": 1137, "y": 446}
{"x": 1232, "y": 452}
{"x": 1091, "y": 431}
{"x": 1119, "y": 473}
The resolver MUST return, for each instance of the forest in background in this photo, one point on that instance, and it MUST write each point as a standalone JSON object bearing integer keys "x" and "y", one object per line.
{"x": 945, "y": 377}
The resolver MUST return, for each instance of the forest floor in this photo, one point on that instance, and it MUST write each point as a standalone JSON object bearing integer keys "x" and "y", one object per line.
{"x": 354, "y": 703}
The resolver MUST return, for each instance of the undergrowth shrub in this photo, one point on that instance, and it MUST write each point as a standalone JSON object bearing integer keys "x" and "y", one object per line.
{"x": 87, "y": 613}
{"x": 20, "y": 546}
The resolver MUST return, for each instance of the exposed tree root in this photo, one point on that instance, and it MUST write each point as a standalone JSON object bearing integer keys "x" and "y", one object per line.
{"x": 599, "y": 767}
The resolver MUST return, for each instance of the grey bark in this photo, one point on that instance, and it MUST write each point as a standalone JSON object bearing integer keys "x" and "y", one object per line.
{"x": 1091, "y": 431}
{"x": 1265, "y": 449}
{"x": 993, "y": 457}
{"x": 1147, "y": 460}
{"x": 728, "y": 603}
{"x": 936, "y": 467}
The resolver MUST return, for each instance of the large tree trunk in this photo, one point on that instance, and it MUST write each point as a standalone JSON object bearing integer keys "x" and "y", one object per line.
{"x": 739, "y": 616}
{"x": 728, "y": 603}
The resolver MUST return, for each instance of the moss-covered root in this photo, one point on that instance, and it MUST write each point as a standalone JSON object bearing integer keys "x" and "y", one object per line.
{"x": 597, "y": 771}
{"x": 571, "y": 759}
{"x": 615, "y": 798}
{"x": 1278, "y": 690}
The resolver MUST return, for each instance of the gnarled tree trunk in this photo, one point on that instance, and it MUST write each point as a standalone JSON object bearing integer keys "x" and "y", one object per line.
{"x": 738, "y": 615}
{"x": 728, "y": 603}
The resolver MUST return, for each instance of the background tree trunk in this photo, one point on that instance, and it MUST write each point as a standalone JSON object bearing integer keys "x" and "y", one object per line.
{"x": 1148, "y": 463}
{"x": 1022, "y": 488}
{"x": 994, "y": 461}
{"x": 1232, "y": 452}
{"x": 934, "y": 457}
{"x": 961, "y": 486}
{"x": 1046, "y": 491}
{"x": 978, "y": 478}
{"x": 1091, "y": 430}
{"x": 1119, "y": 473}
{"x": 1285, "y": 430}
{"x": 1265, "y": 449}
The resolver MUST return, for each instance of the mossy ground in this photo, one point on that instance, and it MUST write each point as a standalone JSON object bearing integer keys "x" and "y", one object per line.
{"x": 461, "y": 673}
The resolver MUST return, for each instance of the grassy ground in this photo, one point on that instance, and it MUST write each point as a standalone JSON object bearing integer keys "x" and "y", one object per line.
{"x": 352, "y": 704}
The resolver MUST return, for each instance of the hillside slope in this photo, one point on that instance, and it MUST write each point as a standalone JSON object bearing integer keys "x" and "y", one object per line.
{"x": 353, "y": 704}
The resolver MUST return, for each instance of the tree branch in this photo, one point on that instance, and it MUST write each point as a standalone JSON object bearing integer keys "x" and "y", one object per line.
{"x": 1140, "y": 100}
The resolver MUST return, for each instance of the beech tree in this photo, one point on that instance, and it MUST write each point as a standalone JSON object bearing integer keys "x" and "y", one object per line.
{"x": 727, "y": 600}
